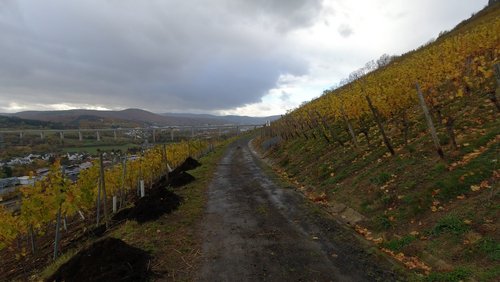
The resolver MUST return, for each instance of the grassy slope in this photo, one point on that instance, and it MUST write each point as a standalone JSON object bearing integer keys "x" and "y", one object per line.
{"x": 443, "y": 211}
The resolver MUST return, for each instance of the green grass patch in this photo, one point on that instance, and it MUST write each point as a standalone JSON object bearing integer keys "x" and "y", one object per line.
{"x": 458, "y": 274}
{"x": 450, "y": 224}
{"x": 399, "y": 244}
{"x": 490, "y": 247}
{"x": 440, "y": 168}
{"x": 411, "y": 148}
{"x": 381, "y": 178}
{"x": 459, "y": 181}
{"x": 489, "y": 274}
{"x": 480, "y": 140}
{"x": 366, "y": 206}
{"x": 382, "y": 222}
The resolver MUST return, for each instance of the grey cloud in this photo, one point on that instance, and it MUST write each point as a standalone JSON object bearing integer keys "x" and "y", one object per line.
{"x": 345, "y": 30}
{"x": 285, "y": 96}
{"x": 281, "y": 14}
{"x": 159, "y": 55}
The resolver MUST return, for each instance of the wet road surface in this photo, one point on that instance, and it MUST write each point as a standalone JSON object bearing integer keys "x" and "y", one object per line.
{"x": 256, "y": 230}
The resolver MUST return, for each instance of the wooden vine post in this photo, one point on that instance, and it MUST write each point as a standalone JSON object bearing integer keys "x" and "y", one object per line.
{"x": 165, "y": 159}
{"x": 430, "y": 124}
{"x": 349, "y": 127}
{"x": 32, "y": 239}
{"x": 124, "y": 175}
{"x": 102, "y": 189}
{"x": 493, "y": 95}
{"x": 387, "y": 142}
{"x": 320, "y": 125}
{"x": 98, "y": 203}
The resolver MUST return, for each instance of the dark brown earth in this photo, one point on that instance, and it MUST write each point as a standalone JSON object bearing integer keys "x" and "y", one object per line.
{"x": 109, "y": 259}
{"x": 188, "y": 164}
{"x": 256, "y": 230}
{"x": 179, "y": 176}
{"x": 158, "y": 202}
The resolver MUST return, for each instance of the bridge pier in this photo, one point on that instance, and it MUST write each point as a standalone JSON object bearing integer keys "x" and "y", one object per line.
{"x": 135, "y": 133}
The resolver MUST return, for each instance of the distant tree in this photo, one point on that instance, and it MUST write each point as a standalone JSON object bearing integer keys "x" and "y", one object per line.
{"x": 384, "y": 60}
{"x": 443, "y": 32}
{"x": 6, "y": 171}
{"x": 370, "y": 66}
{"x": 52, "y": 160}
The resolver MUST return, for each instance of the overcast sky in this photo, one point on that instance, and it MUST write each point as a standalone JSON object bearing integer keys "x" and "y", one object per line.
{"x": 247, "y": 57}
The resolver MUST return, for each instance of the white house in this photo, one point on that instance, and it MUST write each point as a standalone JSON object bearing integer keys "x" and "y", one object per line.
{"x": 26, "y": 180}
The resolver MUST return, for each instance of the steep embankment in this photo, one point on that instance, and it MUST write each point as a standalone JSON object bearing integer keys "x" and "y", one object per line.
{"x": 425, "y": 210}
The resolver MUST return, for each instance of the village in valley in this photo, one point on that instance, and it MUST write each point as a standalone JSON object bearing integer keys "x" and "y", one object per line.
{"x": 19, "y": 168}
{"x": 10, "y": 184}
{"x": 27, "y": 154}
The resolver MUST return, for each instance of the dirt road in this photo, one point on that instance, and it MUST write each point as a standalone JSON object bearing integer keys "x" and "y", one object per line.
{"x": 256, "y": 230}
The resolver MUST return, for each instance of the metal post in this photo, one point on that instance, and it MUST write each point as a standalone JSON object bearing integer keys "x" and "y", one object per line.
{"x": 114, "y": 204}
{"x": 143, "y": 193}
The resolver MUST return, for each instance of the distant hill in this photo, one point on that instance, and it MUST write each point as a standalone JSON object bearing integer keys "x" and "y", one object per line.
{"x": 124, "y": 118}
{"x": 16, "y": 122}
{"x": 233, "y": 119}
